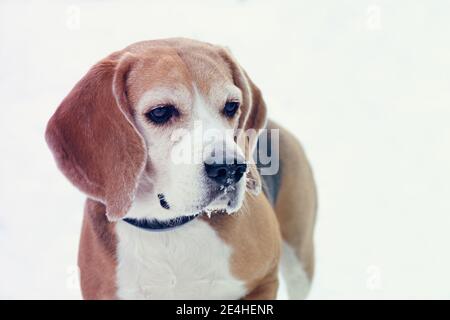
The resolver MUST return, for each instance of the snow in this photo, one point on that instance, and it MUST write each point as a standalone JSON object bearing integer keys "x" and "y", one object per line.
{"x": 364, "y": 84}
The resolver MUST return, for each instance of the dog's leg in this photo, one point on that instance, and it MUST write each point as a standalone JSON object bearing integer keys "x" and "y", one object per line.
{"x": 267, "y": 290}
{"x": 298, "y": 282}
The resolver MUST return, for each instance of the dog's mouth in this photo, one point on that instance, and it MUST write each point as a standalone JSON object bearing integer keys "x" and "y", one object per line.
{"x": 221, "y": 200}
{"x": 225, "y": 200}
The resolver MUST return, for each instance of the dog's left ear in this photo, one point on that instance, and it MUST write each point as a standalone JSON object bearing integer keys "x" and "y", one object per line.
{"x": 253, "y": 116}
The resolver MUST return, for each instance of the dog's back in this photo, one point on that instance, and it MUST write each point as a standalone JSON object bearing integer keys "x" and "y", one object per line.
{"x": 292, "y": 192}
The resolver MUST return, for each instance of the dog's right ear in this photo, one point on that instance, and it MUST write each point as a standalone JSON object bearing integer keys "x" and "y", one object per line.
{"x": 253, "y": 117}
{"x": 93, "y": 137}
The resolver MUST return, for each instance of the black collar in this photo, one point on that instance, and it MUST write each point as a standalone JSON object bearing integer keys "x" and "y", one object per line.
{"x": 157, "y": 225}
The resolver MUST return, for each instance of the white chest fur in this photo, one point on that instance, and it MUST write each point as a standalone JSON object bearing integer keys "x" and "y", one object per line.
{"x": 190, "y": 262}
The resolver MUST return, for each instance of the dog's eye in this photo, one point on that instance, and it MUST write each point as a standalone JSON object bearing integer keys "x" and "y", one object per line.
{"x": 230, "y": 108}
{"x": 161, "y": 114}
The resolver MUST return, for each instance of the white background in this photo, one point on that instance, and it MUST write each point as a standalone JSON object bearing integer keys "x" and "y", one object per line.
{"x": 364, "y": 84}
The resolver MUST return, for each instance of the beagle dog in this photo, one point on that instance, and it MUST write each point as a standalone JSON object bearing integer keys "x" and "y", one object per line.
{"x": 167, "y": 221}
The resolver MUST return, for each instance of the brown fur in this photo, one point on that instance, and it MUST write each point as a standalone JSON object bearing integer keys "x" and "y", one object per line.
{"x": 254, "y": 234}
{"x": 97, "y": 253}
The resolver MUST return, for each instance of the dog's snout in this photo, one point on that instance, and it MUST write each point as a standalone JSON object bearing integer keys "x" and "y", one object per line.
{"x": 225, "y": 173}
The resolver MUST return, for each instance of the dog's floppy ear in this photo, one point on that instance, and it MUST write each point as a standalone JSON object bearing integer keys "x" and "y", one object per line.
{"x": 253, "y": 116}
{"x": 93, "y": 137}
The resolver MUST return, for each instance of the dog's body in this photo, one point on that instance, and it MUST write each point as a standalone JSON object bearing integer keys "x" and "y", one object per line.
{"x": 213, "y": 256}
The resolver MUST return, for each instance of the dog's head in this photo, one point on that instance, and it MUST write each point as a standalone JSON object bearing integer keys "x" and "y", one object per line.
{"x": 160, "y": 130}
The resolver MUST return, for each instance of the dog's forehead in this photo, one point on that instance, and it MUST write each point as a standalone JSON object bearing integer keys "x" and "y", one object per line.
{"x": 196, "y": 68}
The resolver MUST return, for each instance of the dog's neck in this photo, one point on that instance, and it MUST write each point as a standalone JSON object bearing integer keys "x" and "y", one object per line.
{"x": 160, "y": 225}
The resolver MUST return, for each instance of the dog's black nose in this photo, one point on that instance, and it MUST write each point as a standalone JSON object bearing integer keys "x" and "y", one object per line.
{"x": 225, "y": 173}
